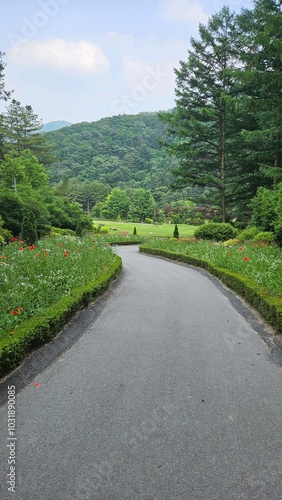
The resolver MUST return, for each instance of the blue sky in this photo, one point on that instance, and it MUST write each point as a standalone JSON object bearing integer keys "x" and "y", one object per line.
{"x": 82, "y": 60}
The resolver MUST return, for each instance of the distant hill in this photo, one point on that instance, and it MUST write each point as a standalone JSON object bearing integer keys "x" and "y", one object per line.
{"x": 50, "y": 126}
{"x": 121, "y": 151}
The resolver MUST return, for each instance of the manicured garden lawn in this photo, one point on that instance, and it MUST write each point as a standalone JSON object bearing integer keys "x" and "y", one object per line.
{"x": 185, "y": 231}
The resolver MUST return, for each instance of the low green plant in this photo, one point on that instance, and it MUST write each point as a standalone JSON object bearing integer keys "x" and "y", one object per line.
{"x": 248, "y": 234}
{"x": 264, "y": 237}
{"x": 216, "y": 231}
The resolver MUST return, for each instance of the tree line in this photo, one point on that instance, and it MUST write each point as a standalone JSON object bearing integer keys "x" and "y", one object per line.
{"x": 25, "y": 190}
{"x": 226, "y": 129}
{"x": 217, "y": 154}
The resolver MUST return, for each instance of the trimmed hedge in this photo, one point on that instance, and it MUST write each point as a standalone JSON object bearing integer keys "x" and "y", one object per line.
{"x": 269, "y": 307}
{"x": 37, "y": 331}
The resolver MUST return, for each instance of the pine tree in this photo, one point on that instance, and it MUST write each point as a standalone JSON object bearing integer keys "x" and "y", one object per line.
{"x": 262, "y": 78}
{"x": 201, "y": 127}
{"x": 176, "y": 232}
{"x": 20, "y": 128}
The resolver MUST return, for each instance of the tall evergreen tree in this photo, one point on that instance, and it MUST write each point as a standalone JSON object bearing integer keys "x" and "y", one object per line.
{"x": 202, "y": 126}
{"x": 262, "y": 79}
{"x": 20, "y": 128}
{"x": 4, "y": 94}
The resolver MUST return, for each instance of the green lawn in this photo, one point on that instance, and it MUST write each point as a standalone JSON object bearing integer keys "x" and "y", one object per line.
{"x": 185, "y": 231}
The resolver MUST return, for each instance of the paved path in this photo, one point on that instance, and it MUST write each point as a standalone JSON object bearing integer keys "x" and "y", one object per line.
{"x": 168, "y": 394}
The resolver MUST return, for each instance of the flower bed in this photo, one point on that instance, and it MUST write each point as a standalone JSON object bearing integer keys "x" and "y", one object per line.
{"x": 43, "y": 285}
{"x": 253, "y": 271}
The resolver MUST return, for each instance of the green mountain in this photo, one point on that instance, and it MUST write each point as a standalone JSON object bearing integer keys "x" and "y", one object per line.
{"x": 121, "y": 151}
{"x": 48, "y": 127}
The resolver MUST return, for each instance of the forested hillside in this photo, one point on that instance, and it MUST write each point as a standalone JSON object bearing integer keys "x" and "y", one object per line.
{"x": 122, "y": 151}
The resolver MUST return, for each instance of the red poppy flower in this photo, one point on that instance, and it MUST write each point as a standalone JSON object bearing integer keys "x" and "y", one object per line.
{"x": 246, "y": 258}
{"x": 65, "y": 254}
{"x": 3, "y": 257}
{"x": 61, "y": 244}
{"x": 15, "y": 313}
{"x": 32, "y": 247}
{"x": 240, "y": 248}
{"x": 21, "y": 248}
{"x": 14, "y": 239}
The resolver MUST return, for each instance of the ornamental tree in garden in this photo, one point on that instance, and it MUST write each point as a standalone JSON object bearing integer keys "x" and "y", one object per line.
{"x": 29, "y": 229}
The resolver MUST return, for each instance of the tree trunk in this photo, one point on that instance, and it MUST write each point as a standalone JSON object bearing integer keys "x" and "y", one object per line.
{"x": 222, "y": 159}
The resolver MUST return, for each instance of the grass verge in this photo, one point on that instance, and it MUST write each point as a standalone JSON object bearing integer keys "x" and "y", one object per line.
{"x": 263, "y": 300}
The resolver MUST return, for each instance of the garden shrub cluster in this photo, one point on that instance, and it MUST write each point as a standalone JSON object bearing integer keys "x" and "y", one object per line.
{"x": 216, "y": 231}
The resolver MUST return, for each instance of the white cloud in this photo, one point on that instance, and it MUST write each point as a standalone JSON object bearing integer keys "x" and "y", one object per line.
{"x": 185, "y": 11}
{"x": 78, "y": 57}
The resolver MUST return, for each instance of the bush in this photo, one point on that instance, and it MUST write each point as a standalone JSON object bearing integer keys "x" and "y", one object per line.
{"x": 104, "y": 230}
{"x": 264, "y": 237}
{"x": 62, "y": 232}
{"x": 29, "y": 229}
{"x": 248, "y": 234}
{"x": 134, "y": 231}
{"x": 216, "y": 231}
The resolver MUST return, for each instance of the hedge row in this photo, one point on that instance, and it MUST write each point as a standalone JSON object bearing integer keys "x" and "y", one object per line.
{"x": 269, "y": 307}
{"x": 37, "y": 331}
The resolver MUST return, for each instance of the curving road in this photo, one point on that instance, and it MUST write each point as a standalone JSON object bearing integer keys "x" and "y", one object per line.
{"x": 168, "y": 393}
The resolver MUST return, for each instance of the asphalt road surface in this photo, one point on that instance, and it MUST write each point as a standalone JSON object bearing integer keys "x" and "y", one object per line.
{"x": 168, "y": 392}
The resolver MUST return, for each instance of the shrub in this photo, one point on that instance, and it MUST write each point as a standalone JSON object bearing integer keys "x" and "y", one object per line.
{"x": 104, "y": 230}
{"x": 264, "y": 237}
{"x": 248, "y": 234}
{"x": 216, "y": 231}
{"x": 29, "y": 229}
{"x": 148, "y": 220}
{"x": 134, "y": 231}
{"x": 176, "y": 232}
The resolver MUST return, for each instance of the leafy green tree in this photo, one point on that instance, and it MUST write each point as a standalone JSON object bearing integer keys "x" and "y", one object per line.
{"x": 264, "y": 209}
{"x": 24, "y": 169}
{"x": 142, "y": 205}
{"x": 117, "y": 204}
{"x": 11, "y": 210}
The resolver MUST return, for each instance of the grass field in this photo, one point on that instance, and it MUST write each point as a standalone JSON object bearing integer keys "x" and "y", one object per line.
{"x": 165, "y": 230}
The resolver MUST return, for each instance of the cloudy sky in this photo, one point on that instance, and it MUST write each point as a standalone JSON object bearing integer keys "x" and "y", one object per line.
{"x": 82, "y": 60}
